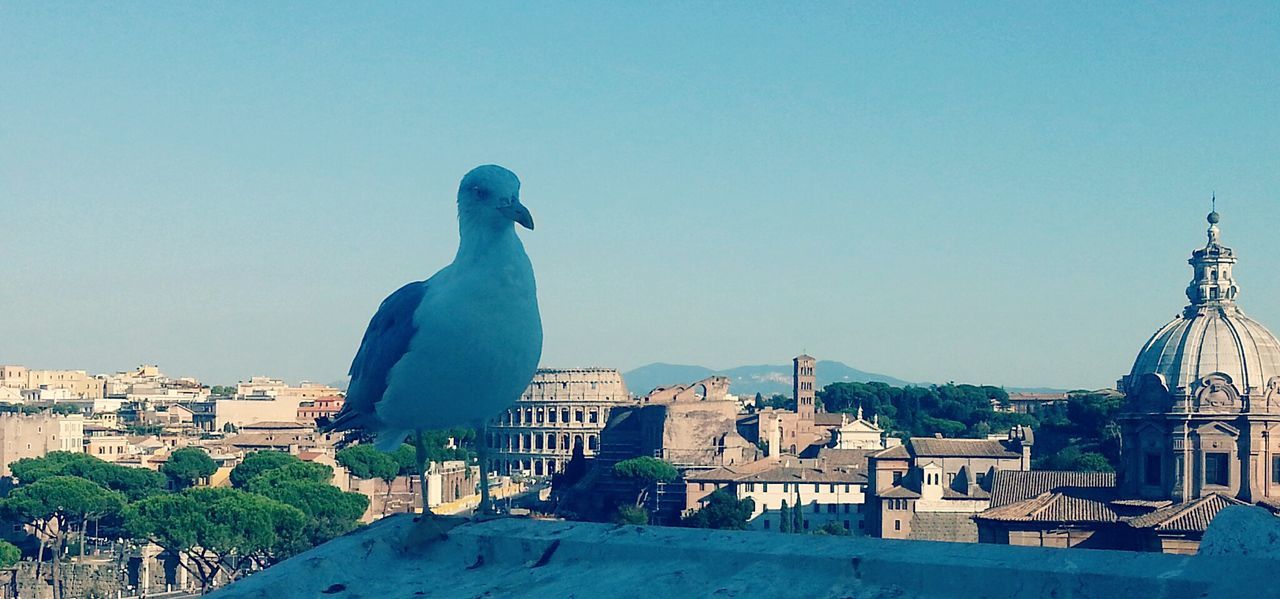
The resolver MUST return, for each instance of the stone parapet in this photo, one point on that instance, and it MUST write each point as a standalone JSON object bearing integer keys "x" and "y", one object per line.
{"x": 529, "y": 558}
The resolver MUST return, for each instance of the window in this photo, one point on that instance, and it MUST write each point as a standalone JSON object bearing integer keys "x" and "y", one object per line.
{"x": 764, "y": 487}
{"x": 846, "y": 525}
{"x": 897, "y": 477}
{"x": 577, "y": 416}
{"x": 1151, "y": 470}
{"x": 897, "y": 524}
{"x": 701, "y": 486}
{"x": 593, "y": 417}
{"x": 833, "y": 487}
{"x": 806, "y": 525}
{"x": 1275, "y": 470}
{"x": 846, "y": 508}
{"x": 551, "y": 416}
{"x": 831, "y": 508}
{"x": 766, "y": 525}
{"x": 1215, "y": 468}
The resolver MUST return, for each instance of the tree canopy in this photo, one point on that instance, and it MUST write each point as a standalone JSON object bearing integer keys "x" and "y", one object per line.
{"x": 365, "y": 461}
{"x": 9, "y": 555}
{"x": 219, "y": 529}
{"x": 135, "y": 483}
{"x": 330, "y": 511}
{"x": 724, "y": 511}
{"x": 646, "y": 470}
{"x": 186, "y": 466}
{"x": 258, "y": 462}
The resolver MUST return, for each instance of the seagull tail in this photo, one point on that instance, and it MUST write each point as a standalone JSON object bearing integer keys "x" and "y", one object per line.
{"x": 390, "y": 440}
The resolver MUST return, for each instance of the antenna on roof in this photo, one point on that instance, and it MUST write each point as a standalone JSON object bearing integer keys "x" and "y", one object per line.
{"x": 1214, "y": 199}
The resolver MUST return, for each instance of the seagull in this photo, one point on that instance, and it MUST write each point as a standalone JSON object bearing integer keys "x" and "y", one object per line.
{"x": 459, "y": 347}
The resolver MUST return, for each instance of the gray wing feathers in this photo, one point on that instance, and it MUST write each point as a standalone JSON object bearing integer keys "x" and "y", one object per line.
{"x": 385, "y": 342}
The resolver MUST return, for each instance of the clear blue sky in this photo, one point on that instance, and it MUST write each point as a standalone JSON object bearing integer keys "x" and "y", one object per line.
{"x": 1002, "y": 193}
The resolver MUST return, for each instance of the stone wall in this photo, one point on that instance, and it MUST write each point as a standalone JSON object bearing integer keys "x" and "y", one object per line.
{"x": 530, "y": 558}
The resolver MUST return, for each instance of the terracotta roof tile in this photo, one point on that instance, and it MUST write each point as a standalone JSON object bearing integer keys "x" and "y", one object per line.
{"x": 934, "y": 447}
{"x": 1190, "y": 516}
{"x": 1011, "y": 486}
{"x": 1068, "y": 505}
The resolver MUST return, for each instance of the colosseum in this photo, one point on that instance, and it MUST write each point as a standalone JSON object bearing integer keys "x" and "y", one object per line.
{"x": 561, "y": 409}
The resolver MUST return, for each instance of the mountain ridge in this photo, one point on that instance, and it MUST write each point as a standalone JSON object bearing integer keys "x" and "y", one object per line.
{"x": 768, "y": 379}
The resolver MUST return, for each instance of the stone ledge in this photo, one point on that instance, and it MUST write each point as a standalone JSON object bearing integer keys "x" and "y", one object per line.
{"x": 529, "y": 558}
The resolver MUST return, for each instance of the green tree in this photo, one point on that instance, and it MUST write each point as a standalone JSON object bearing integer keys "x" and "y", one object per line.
{"x": 56, "y": 506}
{"x": 135, "y": 483}
{"x": 9, "y": 555}
{"x": 723, "y": 511}
{"x": 330, "y": 511}
{"x": 834, "y": 529}
{"x": 784, "y": 522}
{"x": 187, "y": 466}
{"x": 1072, "y": 458}
{"x": 218, "y": 530}
{"x": 258, "y": 462}
{"x": 630, "y": 514}
{"x": 365, "y": 461}
{"x": 645, "y": 472}
{"x": 406, "y": 458}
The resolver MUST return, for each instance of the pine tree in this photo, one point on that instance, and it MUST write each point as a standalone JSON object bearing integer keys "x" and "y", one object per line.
{"x": 785, "y": 524}
{"x": 797, "y": 514}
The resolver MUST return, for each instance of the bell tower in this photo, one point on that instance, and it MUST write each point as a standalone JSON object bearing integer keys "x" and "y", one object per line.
{"x": 802, "y": 380}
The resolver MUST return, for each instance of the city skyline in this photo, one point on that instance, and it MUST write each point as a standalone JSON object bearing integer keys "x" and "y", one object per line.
{"x": 984, "y": 197}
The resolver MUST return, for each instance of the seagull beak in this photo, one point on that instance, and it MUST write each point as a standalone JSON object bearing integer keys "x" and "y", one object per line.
{"x": 518, "y": 213}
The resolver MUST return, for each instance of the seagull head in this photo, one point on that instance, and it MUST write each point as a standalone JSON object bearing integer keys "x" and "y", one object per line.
{"x": 490, "y": 195}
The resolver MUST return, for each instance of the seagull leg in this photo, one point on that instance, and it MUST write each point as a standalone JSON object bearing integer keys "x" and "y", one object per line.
{"x": 482, "y": 450}
{"x": 426, "y": 530}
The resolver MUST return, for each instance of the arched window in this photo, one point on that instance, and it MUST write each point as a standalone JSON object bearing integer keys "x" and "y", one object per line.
{"x": 592, "y": 442}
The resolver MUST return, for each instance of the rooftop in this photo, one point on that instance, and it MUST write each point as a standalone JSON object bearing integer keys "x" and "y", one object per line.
{"x": 961, "y": 448}
{"x": 1011, "y": 486}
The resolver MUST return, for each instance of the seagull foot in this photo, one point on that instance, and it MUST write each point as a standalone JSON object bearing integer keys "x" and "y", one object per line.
{"x": 427, "y": 530}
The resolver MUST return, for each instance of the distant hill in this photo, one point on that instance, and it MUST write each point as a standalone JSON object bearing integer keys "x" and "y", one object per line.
{"x": 748, "y": 380}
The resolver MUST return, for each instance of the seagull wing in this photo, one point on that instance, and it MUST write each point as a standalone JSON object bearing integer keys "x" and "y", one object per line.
{"x": 385, "y": 342}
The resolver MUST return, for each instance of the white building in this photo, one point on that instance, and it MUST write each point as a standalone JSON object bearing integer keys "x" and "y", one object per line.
{"x": 829, "y": 489}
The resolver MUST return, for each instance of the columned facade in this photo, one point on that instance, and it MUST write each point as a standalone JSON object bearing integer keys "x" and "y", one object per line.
{"x": 561, "y": 410}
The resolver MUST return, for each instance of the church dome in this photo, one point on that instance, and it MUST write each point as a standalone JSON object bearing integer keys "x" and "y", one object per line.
{"x": 1212, "y": 336}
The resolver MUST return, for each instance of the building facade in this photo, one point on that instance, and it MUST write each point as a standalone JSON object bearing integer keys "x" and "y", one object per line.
{"x": 35, "y": 435}
{"x": 77, "y": 382}
{"x": 562, "y": 409}
{"x": 929, "y": 488}
{"x": 828, "y": 490}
